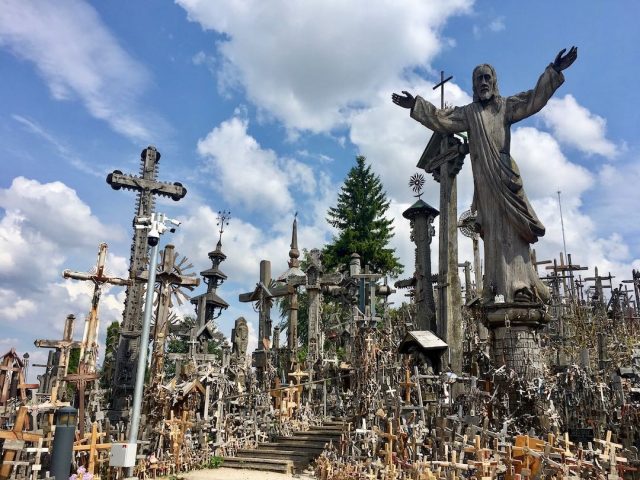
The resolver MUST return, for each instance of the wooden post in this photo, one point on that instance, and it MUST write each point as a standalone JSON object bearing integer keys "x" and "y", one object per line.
{"x": 449, "y": 296}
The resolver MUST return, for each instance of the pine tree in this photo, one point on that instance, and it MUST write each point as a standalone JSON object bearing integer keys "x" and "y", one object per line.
{"x": 363, "y": 228}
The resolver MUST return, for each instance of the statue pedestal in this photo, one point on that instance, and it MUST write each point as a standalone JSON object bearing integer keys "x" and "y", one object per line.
{"x": 515, "y": 339}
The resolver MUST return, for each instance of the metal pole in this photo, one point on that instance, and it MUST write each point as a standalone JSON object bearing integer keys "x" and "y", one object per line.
{"x": 144, "y": 344}
{"x": 564, "y": 242}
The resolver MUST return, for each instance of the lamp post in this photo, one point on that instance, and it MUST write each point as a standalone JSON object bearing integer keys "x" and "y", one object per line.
{"x": 156, "y": 226}
{"x": 62, "y": 450}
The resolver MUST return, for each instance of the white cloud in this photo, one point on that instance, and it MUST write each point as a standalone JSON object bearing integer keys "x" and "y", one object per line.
{"x": 311, "y": 64}
{"x": 577, "y": 127}
{"x": 497, "y": 25}
{"x": 246, "y": 174}
{"x": 79, "y": 58}
{"x": 13, "y": 308}
{"x": 393, "y": 142}
{"x": 544, "y": 168}
{"x": 46, "y": 227}
{"x": 54, "y": 211}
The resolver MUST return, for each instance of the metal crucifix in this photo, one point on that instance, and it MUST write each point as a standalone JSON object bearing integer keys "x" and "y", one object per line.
{"x": 441, "y": 86}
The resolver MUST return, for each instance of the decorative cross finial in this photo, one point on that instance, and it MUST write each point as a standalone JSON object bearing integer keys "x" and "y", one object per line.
{"x": 416, "y": 182}
{"x": 441, "y": 87}
{"x": 222, "y": 221}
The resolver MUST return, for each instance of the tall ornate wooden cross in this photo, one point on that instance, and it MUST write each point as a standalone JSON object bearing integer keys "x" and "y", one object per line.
{"x": 89, "y": 344}
{"x": 443, "y": 157}
{"x": 147, "y": 187}
{"x": 167, "y": 276}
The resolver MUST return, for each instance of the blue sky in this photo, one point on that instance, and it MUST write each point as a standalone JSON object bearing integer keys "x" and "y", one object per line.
{"x": 260, "y": 108}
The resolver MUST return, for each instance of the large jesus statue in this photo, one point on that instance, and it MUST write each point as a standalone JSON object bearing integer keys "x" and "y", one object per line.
{"x": 506, "y": 221}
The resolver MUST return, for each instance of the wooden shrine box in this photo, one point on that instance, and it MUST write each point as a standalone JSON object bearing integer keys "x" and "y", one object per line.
{"x": 425, "y": 346}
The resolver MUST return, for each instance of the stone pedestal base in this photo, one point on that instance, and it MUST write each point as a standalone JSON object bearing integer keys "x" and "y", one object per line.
{"x": 518, "y": 349}
{"x": 515, "y": 342}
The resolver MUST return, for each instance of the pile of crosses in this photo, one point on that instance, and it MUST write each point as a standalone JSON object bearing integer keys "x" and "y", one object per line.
{"x": 412, "y": 405}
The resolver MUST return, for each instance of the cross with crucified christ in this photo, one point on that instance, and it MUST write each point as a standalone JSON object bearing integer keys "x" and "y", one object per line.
{"x": 89, "y": 345}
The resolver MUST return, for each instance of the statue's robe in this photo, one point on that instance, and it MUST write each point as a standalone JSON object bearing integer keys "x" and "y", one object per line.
{"x": 508, "y": 224}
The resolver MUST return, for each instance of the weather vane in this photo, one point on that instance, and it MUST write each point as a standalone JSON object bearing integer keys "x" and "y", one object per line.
{"x": 416, "y": 182}
{"x": 223, "y": 220}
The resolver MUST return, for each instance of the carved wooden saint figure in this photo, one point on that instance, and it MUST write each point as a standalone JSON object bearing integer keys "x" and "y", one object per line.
{"x": 506, "y": 220}
{"x": 240, "y": 340}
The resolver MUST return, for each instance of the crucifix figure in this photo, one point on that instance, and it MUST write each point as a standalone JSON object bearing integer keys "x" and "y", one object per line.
{"x": 506, "y": 220}
{"x": 89, "y": 344}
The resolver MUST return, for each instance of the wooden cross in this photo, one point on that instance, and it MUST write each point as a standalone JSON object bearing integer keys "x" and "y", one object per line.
{"x": 80, "y": 379}
{"x": 298, "y": 375}
{"x": 276, "y": 393}
{"x": 177, "y": 429}
{"x": 389, "y": 437}
{"x": 317, "y": 281}
{"x": 443, "y": 157}
{"x": 609, "y": 453}
{"x": 89, "y": 345}
{"x": 146, "y": 187}
{"x": 37, "y": 466}
{"x": 167, "y": 278}
{"x": 64, "y": 346}
{"x": 528, "y": 448}
{"x": 407, "y": 384}
{"x": 18, "y": 437}
{"x": 10, "y": 367}
{"x": 93, "y": 447}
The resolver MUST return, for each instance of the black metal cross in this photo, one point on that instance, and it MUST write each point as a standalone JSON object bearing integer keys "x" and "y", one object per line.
{"x": 441, "y": 86}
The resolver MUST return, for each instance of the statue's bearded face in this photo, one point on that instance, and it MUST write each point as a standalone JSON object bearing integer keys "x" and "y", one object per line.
{"x": 484, "y": 83}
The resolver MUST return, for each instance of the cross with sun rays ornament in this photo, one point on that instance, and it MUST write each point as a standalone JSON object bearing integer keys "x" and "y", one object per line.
{"x": 416, "y": 182}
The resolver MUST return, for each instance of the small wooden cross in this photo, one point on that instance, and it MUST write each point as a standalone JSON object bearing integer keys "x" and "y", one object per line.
{"x": 93, "y": 447}
{"x": 407, "y": 384}
{"x": 276, "y": 393}
{"x": 80, "y": 379}
{"x": 441, "y": 87}
{"x": 389, "y": 437}
{"x": 16, "y": 434}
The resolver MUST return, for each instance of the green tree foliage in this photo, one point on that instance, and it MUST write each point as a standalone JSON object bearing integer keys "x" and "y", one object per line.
{"x": 74, "y": 360}
{"x": 362, "y": 226}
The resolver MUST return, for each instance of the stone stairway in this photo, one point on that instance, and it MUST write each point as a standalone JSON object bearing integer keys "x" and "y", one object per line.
{"x": 291, "y": 454}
